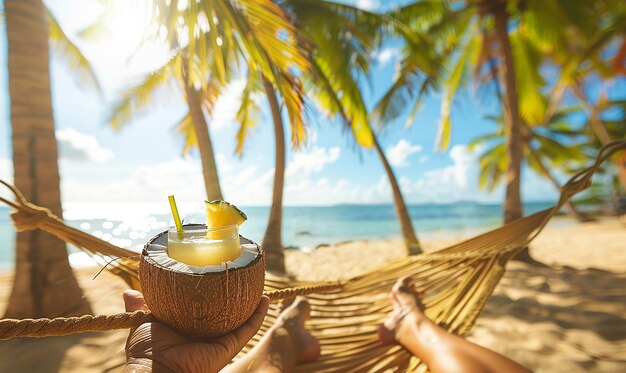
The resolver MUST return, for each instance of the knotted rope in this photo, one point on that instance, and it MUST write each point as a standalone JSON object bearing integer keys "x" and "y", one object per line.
{"x": 11, "y": 328}
{"x": 44, "y": 327}
{"x": 28, "y": 216}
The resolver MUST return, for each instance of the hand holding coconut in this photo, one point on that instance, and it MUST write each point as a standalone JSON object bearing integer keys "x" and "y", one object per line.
{"x": 205, "y": 285}
{"x": 157, "y": 347}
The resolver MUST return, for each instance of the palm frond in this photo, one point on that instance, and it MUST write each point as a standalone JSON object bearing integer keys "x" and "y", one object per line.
{"x": 136, "y": 100}
{"x": 211, "y": 92}
{"x": 492, "y": 164}
{"x": 217, "y": 34}
{"x": 249, "y": 110}
{"x": 276, "y": 47}
{"x": 451, "y": 85}
{"x": 482, "y": 140}
{"x": 417, "y": 74}
{"x": 70, "y": 54}
{"x": 532, "y": 104}
{"x": 186, "y": 129}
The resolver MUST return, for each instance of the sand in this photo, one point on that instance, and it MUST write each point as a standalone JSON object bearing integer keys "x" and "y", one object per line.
{"x": 569, "y": 316}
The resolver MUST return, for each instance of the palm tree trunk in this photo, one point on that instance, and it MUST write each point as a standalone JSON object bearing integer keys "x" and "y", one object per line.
{"x": 408, "y": 234}
{"x": 512, "y": 203}
{"x": 272, "y": 241}
{"x": 569, "y": 205}
{"x": 599, "y": 130}
{"x": 200, "y": 126}
{"x": 44, "y": 284}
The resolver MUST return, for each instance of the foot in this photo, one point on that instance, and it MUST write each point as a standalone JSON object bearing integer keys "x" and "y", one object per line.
{"x": 407, "y": 310}
{"x": 295, "y": 312}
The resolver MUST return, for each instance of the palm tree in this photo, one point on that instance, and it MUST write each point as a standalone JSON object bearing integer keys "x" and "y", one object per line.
{"x": 320, "y": 23}
{"x": 193, "y": 126}
{"x": 247, "y": 117}
{"x": 588, "y": 57}
{"x": 544, "y": 152}
{"x": 272, "y": 239}
{"x": 486, "y": 37}
{"x": 44, "y": 284}
{"x": 614, "y": 127}
{"x": 202, "y": 67}
{"x": 343, "y": 37}
{"x": 257, "y": 32}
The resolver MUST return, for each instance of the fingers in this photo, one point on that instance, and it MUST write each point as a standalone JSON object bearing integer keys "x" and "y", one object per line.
{"x": 245, "y": 332}
{"x": 133, "y": 301}
{"x": 236, "y": 340}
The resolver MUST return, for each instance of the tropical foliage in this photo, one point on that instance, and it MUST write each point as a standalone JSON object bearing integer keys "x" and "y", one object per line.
{"x": 218, "y": 35}
{"x": 554, "y": 148}
{"x": 206, "y": 55}
{"x": 588, "y": 63}
{"x": 485, "y": 42}
{"x": 345, "y": 38}
{"x": 341, "y": 38}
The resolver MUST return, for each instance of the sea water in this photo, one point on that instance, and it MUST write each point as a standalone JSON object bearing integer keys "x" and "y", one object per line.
{"x": 305, "y": 228}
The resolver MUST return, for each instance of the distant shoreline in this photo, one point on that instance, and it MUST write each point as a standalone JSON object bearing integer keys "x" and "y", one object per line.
{"x": 80, "y": 259}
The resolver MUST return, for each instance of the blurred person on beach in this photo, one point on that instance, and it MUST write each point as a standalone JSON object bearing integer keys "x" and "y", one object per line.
{"x": 155, "y": 347}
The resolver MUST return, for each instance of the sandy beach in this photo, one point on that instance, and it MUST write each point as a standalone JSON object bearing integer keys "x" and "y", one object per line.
{"x": 569, "y": 316}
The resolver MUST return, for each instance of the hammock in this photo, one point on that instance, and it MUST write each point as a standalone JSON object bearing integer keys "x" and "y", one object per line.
{"x": 456, "y": 282}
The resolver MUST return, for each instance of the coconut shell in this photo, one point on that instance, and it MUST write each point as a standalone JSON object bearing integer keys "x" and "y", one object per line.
{"x": 202, "y": 305}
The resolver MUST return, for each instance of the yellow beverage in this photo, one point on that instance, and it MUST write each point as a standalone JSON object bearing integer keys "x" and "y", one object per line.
{"x": 202, "y": 247}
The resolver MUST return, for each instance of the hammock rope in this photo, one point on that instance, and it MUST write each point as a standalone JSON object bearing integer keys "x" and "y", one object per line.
{"x": 456, "y": 283}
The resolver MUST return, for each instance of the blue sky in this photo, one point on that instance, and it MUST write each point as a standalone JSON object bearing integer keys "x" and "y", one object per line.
{"x": 143, "y": 163}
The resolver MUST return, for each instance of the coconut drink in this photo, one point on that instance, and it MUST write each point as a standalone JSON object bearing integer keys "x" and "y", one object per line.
{"x": 203, "y": 280}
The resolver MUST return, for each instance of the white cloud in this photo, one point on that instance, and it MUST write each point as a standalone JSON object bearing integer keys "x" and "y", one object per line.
{"x": 242, "y": 183}
{"x": 399, "y": 154}
{"x": 226, "y": 107}
{"x": 311, "y": 160}
{"x": 365, "y": 4}
{"x": 379, "y": 192}
{"x": 227, "y": 104}
{"x": 306, "y": 183}
{"x": 457, "y": 181}
{"x": 149, "y": 183}
{"x": 77, "y": 146}
{"x": 385, "y": 55}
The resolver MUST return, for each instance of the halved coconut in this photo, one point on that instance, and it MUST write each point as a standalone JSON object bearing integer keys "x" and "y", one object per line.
{"x": 201, "y": 302}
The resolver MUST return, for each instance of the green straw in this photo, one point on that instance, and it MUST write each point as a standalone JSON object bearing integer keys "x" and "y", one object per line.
{"x": 179, "y": 224}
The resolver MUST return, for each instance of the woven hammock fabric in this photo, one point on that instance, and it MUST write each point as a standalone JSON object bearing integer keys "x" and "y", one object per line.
{"x": 456, "y": 283}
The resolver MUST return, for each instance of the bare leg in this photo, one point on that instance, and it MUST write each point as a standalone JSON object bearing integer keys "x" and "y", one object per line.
{"x": 286, "y": 344}
{"x": 439, "y": 350}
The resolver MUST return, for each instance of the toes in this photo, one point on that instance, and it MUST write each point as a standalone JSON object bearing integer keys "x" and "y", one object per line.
{"x": 298, "y": 310}
{"x": 303, "y": 307}
{"x": 403, "y": 284}
{"x": 408, "y": 282}
{"x": 285, "y": 303}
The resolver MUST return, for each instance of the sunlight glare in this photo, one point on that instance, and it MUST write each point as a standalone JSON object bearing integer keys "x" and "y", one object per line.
{"x": 128, "y": 22}
{"x": 131, "y": 37}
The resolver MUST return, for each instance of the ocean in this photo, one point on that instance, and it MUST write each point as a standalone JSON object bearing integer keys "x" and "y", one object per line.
{"x": 304, "y": 228}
